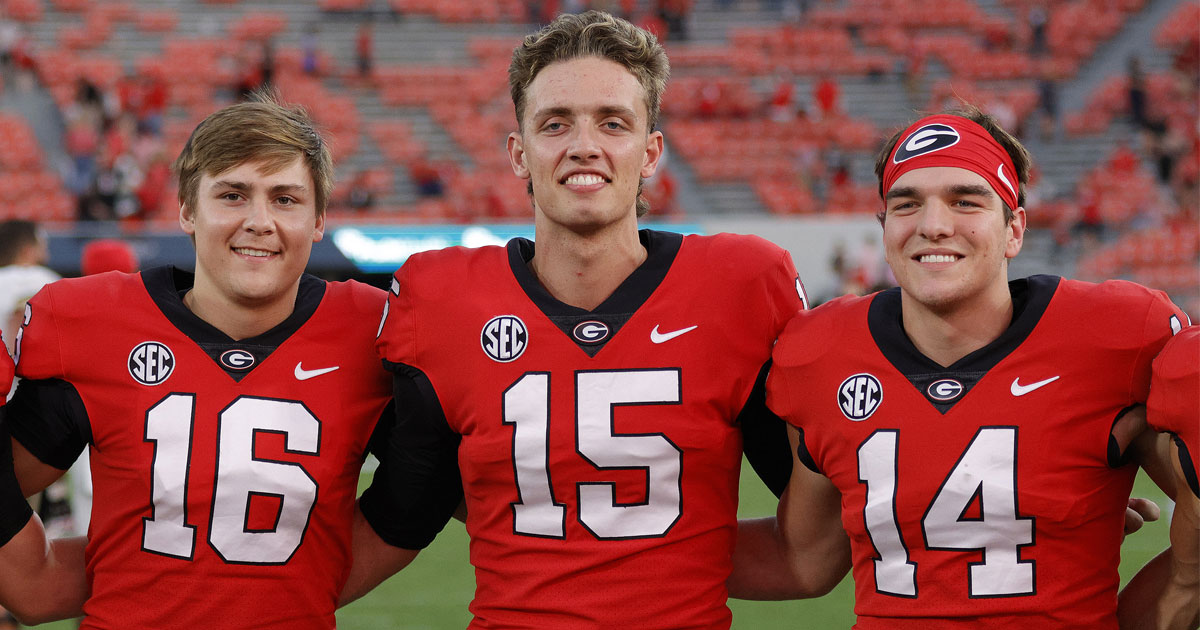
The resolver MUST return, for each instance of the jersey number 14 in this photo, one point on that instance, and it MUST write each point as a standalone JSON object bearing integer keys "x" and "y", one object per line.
{"x": 986, "y": 474}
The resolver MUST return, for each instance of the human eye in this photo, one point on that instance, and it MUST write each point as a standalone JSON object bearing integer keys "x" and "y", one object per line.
{"x": 553, "y": 126}
{"x": 230, "y": 195}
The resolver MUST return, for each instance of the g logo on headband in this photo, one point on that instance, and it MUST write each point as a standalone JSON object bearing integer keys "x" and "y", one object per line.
{"x": 927, "y": 139}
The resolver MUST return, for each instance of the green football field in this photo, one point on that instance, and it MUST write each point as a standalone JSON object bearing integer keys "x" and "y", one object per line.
{"x": 434, "y": 591}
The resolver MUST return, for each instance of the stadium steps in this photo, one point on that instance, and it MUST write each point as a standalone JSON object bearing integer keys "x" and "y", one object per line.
{"x": 731, "y": 199}
{"x": 1063, "y": 162}
{"x": 1135, "y": 38}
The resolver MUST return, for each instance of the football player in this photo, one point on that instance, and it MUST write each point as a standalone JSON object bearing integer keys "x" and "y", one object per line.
{"x": 227, "y": 411}
{"x": 1165, "y": 594}
{"x": 587, "y": 390}
{"x": 973, "y": 426}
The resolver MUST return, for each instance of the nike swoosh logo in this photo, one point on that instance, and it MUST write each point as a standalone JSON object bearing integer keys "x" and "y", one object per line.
{"x": 1020, "y": 390}
{"x": 303, "y": 374}
{"x": 658, "y": 337}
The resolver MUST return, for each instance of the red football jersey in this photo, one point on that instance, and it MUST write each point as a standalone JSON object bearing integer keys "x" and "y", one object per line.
{"x": 978, "y": 495}
{"x": 224, "y": 472}
{"x": 600, "y": 449}
{"x": 1174, "y": 403}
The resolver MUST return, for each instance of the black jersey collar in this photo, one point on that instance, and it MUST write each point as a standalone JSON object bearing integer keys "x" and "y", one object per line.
{"x": 661, "y": 249}
{"x": 167, "y": 285}
{"x": 1030, "y": 297}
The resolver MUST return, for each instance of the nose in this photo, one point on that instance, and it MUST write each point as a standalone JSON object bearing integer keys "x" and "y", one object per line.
{"x": 585, "y": 143}
{"x": 936, "y": 220}
{"x": 259, "y": 218}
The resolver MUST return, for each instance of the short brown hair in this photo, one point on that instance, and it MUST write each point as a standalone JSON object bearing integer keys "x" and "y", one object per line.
{"x": 258, "y": 130}
{"x": 593, "y": 34}
{"x": 1022, "y": 161}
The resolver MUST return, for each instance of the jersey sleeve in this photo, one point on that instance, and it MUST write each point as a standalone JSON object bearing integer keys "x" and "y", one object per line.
{"x": 46, "y": 414}
{"x": 418, "y": 485}
{"x": 1163, "y": 320}
{"x": 1174, "y": 402}
{"x": 764, "y": 434}
{"x": 785, "y": 291}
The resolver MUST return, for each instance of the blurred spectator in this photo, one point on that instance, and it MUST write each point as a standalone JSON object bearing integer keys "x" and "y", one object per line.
{"x": 364, "y": 49}
{"x": 308, "y": 45}
{"x": 674, "y": 14}
{"x": 1123, "y": 160}
{"x": 1047, "y": 89}
{"x": 10, "y": 34}
{"x": 910, "y": 67}
{"x": 782, "y": 105}
{"x": 361, "y": 196}
{"x": 427, "y": 176}
{"x": 153, "y": 188}
{"x": 1137, "y": 93}
{"x": 660, "y": 192}
{"x": 23, "y": 256}
{"x": 1037, "y": 18}
{"x": 826, "y": 94}
{"x": 1089, "y": 227}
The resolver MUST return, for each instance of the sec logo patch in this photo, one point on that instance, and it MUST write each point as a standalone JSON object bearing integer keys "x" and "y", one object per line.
{"x": 859, "y": 396}
{"x": 151, "y": 363}
{"x": 504, "y": 338}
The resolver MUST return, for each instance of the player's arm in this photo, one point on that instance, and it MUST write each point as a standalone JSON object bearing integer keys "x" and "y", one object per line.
{"x": 40, "y": 580}
{"x": 1165, "y": 594}
{"x": 415, "y": 490}
{"x": 803, "y": 551}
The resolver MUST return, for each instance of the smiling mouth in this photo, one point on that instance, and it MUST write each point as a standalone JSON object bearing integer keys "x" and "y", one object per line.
{"x": 584, "y": 179}
{"x": 255, "y": 253}
{"x": 937, "y": 258}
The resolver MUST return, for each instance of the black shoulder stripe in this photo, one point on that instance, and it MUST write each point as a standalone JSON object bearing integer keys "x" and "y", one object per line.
{"x": 49, "y": 419}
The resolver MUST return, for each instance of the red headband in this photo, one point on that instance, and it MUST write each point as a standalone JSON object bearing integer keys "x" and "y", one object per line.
{"x": 946, "y": 140}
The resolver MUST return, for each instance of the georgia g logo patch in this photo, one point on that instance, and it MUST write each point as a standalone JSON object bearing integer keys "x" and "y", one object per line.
{"x": 151, "y": 363}
{"x": 945, "y": 390}
{"x": 927, "y": 139}
{"x": 859, "y": 396}
{"x": 591, "y": 331}
{"x": 504, "y": 338}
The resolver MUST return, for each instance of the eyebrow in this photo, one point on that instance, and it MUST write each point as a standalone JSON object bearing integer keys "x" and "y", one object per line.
{"x": 603, "y": 110}
{"x": 957, "y": 189}
{"x": 244, "y": 186}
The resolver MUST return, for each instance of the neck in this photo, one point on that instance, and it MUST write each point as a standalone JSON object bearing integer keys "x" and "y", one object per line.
{"x": 947, "y": 336}
{"x": 583, "y": 270}
{"x": 238, "y": 319}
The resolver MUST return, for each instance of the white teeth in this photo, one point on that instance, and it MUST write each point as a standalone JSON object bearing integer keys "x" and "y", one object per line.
{"x": 937, "y": 258}
{"x": 251, "y": 252}
{"x": 584, "y": 179}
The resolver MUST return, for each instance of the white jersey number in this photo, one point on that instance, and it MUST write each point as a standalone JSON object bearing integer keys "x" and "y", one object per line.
{"x": 240, "y": 477}
{"x": 597, "y": 394}
{"x": 986, "y": 472}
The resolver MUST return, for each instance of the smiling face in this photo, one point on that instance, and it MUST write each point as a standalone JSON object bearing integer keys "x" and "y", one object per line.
{"x": 585, "y": 143}
{"x": 946, "y": 239}
{"x": 253, "y": 232}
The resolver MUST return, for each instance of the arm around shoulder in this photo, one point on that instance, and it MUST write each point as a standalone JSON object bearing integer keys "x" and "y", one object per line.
{"x": 1165, "y": 594}
{"x": 802, "y": 552}
{"x": 374, "y": 560}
